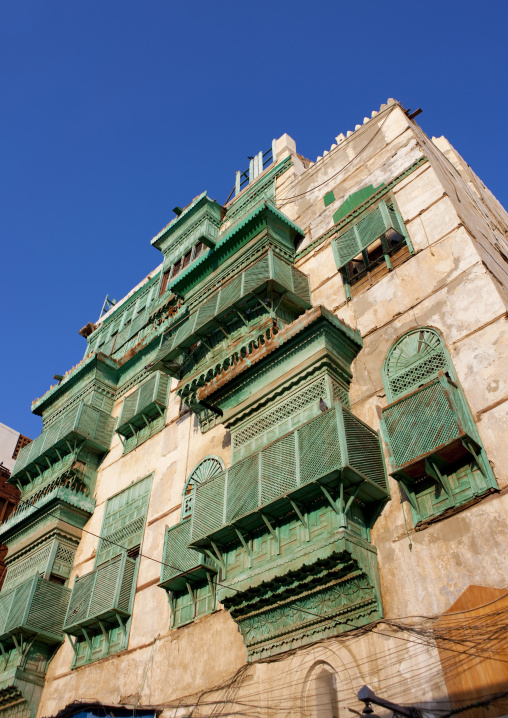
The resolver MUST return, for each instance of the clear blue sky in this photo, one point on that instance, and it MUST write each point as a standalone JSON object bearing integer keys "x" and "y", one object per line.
{"x": 113, "y": 112}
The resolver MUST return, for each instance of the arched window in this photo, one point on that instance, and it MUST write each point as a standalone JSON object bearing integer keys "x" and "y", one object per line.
{"x": 208, "y": 467}
{"x": 413, "y": 360}
{"x": 321, "y": 692}
{"x": 435, "y": 451}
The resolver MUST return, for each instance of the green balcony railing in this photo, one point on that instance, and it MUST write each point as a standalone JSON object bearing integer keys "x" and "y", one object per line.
{"x": 81, "y": 425}
{"x": 66, "y": 489}
{"x": 149, "y": 400}
{"x": 101, "y": 597}
{"x": 269, "y": 269}
{"x": 34, "y": 608}
{"x": 335, "y": 448}
{"x": 182, "y": 565}
{"x": 434, "y": 420}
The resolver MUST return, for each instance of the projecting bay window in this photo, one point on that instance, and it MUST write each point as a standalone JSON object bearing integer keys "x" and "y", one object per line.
{"x": 100, "y": 606}
{"x": 144, "y": 411}
{"x": 435, "y": 451}
{"x": 182, "y": 263}
{"x": 370, "y": 246}
{"x": 187, "y": 575}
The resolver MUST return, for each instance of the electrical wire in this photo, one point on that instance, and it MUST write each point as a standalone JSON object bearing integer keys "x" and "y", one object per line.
{"x": 286, "y": 200}
{"x": 369, "y": 628}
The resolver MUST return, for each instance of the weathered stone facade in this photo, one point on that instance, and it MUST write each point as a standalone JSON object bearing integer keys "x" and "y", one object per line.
{"x": 235, "y": 398}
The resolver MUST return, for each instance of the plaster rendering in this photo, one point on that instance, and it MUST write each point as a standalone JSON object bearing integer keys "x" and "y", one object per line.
{"x": 283, "y": 457}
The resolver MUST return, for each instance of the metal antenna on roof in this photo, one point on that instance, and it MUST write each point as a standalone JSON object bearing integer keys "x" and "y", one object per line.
{"x": 108, "y": 303}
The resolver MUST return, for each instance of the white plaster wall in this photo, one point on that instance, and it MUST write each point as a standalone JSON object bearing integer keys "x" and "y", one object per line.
{"x": 445, "y": 285}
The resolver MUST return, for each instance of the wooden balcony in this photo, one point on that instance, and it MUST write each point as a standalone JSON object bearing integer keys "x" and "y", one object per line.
{"x": 101, "y": 598}
{"x": 81, "y": 426}
{"x": 432, "y": 424}
{"x": 332, "y": 455}
{"x": 183, "y": 565}
{"x": 148, "y": 401}
{"x": 34, "y": 608}
{"x": 270, "y": 270}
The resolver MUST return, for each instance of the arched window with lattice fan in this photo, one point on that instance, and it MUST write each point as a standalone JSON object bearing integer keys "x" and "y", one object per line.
{"x": 415, "y": 359}
{"x": 435, "y": 450}
{"x": 208, "y": 467}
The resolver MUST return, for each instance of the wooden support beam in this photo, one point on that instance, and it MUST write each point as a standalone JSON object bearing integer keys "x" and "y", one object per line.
{"x": 303, "y": 521}
{"x": 244, "y": 320}
{"x": 73, "y": 644}
{"x": 5, "y": 655}
{"x": 123, "y": 626}
{"x": 352, "y": 498}
{"x": 219, "y": 556}
{"x": 469, "y": 447}
{"x": 271, "y": 530}
{"x": 405, "y": 481}
{"x": 87, "y": 638}
{"x": 245, "y": 545}
{"x": 432, "y": 469}
{"x": 105, "y": 633}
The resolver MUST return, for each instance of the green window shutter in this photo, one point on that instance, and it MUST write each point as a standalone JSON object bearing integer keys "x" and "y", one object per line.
{"x": 413, "y": 360}
{"x": 148, "y": 401}
{"x": 35, "y": 561}
{"x": 366, "y": 230}
{"x": 101, "y": 596}
{"x": 124, "y": 521}
{"x": 179, "y": 559}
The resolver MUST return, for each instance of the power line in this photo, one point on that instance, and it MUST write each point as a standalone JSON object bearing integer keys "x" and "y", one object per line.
{"x": 363, "y": 629}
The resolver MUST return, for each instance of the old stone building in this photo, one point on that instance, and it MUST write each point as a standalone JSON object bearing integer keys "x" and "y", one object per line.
{"x": 279, "y": 472}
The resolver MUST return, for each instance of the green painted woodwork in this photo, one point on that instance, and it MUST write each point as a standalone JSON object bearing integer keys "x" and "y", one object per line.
{"x": 199, "y": 222}
{"x": 93, "y": 374}
{"x": 265, "y": 220}
{"x": 95, "y": 646}
{"x": 22, "y": 671}
{"x": 433, "y": 419}
{"x": 353, "y": 201}
{"x": 376, "y": 223}
{"x": 81, "y": 425}
{"x": 148, "y": 401}
{"x": 260, "y": 191}
{"x": 145, "y": 432}
{"x": 416, "y": 358}
{"x": 337, "y": 228}
{"x": 124, "y": 520}
{"x": 33, "y": 608}
{"x": 316, "y": 341}
{"x": 183, "y": 566}
{"x": 207, "y": 468}
{"x": 196, "y": 601}
{"x": 131, "y": 318}
{"x": 63, "y": 490}
{"x": 102, "y": 596}
{"x": 434, "y": 449}
{"x": 309, "y": 579}
{"x": 332, "y": 450}
{"x": 453, "y": 488}
{"x": 269, "y": 272}
{"x": 328, "y": 199}
{"x": 53, "y": 555}
{"x": 296, "y": 406}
